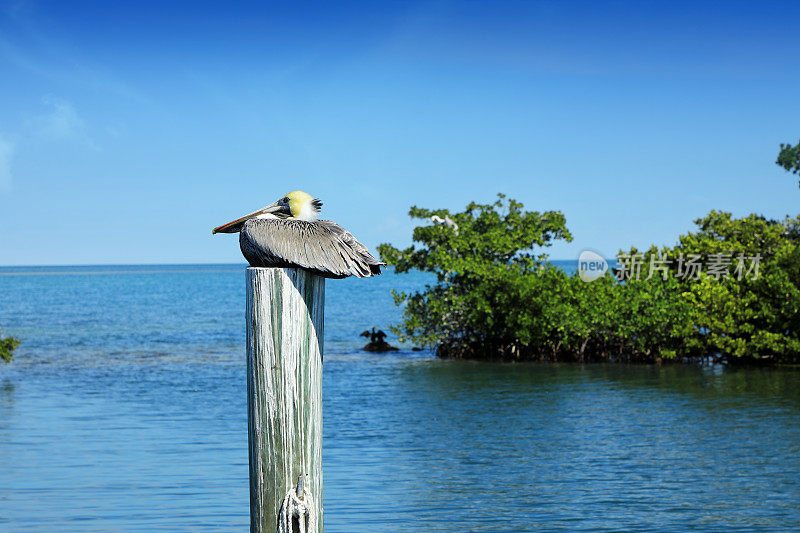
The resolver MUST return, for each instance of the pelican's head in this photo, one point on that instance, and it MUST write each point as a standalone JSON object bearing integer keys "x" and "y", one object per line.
{"x": 302, "y": 205}
{"x": 297, "y": 205}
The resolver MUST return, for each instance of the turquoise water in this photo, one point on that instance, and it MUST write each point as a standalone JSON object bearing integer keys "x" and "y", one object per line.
{"x": 124, "y": 410}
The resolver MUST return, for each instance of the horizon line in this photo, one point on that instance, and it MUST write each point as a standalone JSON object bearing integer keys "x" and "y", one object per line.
{"x": 64, "y": 265}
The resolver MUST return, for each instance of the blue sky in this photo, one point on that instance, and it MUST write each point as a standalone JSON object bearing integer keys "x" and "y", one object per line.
{"x": 128, "y": 131}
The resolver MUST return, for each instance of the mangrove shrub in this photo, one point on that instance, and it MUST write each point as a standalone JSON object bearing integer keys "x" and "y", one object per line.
{"x": 7, "y": 347}
{"x": 497, "y": 296}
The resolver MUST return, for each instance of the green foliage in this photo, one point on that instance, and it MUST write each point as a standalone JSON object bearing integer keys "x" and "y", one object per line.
{"x": 755, "y": 317}
{"x": 496, "y": 298}
{"x": 486, "y": 272}
{"x": 789, "y": 158}
{"x": 7, "y": 347}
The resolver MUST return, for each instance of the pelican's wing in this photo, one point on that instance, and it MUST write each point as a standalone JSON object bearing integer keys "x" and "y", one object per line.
{"x": 321, "y": 246}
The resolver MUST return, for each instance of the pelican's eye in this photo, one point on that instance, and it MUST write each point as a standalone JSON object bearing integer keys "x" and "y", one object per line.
{"x": 285, "y": 199}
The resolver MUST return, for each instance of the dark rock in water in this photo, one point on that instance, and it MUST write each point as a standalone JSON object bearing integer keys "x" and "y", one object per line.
{"x": 376, "y": 342}
{"x": 416, "y": 349}
{"x": 380, "y": 347}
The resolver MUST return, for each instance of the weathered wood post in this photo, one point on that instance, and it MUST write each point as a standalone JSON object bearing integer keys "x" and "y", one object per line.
{"x": 285, "y": 309}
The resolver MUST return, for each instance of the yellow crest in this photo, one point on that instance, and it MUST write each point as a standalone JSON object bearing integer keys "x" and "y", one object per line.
{"x": 303, "y": 205}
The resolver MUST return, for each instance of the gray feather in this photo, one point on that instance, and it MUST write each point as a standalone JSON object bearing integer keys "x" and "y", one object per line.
{"x": 322, "y": 247}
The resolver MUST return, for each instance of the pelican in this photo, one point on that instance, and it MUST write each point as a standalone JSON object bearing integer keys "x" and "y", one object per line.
{"x": 287, "y": 233}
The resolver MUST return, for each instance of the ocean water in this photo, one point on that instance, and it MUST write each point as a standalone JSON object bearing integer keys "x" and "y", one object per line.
{"x": 124, "y": 410}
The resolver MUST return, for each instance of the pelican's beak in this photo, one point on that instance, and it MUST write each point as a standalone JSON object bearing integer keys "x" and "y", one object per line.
{"x": 236, "y": 225}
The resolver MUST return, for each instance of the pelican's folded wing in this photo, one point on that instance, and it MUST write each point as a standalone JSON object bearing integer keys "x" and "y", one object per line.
{"x": 321, "y": 246}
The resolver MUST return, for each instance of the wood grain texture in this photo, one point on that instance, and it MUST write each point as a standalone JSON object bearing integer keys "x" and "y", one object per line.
{"x": 285, "y": 312}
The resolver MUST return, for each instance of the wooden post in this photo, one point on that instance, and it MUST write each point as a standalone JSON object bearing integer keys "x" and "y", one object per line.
{"x": 285, "y": 309}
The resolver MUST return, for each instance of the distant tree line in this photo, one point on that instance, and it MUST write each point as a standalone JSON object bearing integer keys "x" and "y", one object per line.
{"x": 496, "y": 298}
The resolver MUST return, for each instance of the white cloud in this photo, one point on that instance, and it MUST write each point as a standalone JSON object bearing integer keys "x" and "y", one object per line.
{"x": 6, "y": 153}
{"x": 62, "y": 123}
